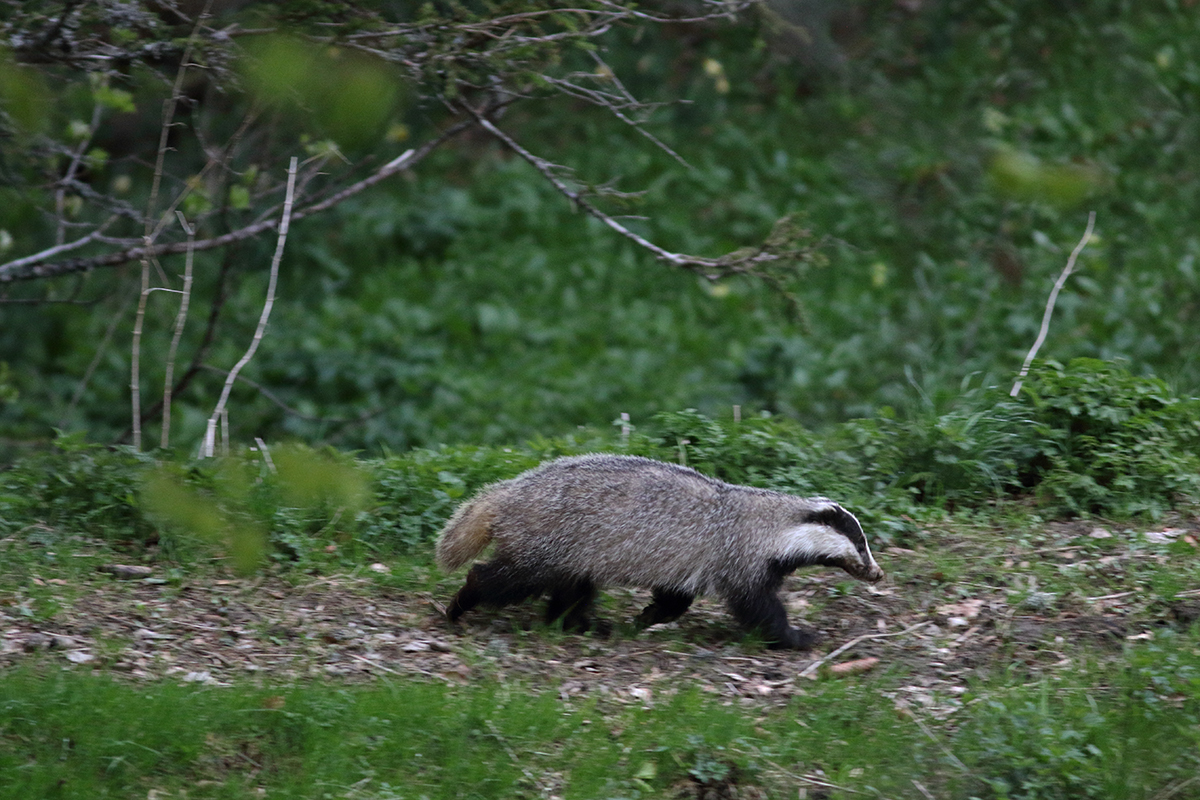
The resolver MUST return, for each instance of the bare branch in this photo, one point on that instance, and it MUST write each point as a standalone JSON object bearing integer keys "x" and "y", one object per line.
{"x": 548, "y": 172}
{"x": 51, "y": 252}
{"x": 1058, "y": 284}
{"x": 180, "y": 319}
{"x": 220, "y": 411}
{"x": 749, "y": 261}
{"x": 814, "y": 666}
{"x": 25, "y": 269}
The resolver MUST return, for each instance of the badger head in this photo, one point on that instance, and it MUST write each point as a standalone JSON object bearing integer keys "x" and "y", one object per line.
{"x": 831, "y": 536}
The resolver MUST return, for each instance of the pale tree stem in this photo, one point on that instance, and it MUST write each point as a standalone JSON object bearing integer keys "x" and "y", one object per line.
{"x": 180, "y": 319}
{"x": 1058, "y": 284}
{"x": 169, "y": 105}
{"x": 60, "y": 196}
{"x": 206, "y": 450}
{"x": 135, "y": 362}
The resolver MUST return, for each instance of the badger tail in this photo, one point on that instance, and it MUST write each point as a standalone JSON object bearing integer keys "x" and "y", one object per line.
{"x": 467, "y": 533}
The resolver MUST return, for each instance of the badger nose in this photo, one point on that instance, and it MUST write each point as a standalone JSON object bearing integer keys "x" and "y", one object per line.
{"x": 874, "y": 574}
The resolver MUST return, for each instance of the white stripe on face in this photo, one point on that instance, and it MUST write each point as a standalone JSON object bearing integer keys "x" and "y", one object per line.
{"x": 817, "y": 541}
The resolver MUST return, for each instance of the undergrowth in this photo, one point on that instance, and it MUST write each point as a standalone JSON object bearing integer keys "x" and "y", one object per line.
{"x": 1085, "y": 439}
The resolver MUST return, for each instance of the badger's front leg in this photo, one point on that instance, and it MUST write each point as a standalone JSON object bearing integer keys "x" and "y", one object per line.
{"x": 668, "y": 605}
{"x": 762, "y": 610}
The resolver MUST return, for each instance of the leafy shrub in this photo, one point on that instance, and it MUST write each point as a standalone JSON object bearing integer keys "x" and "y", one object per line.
{"x": 1085, "y": 438}
{"x": 1111, "y": 442}
{"x": 416, "y": 493}
{"x": 77, "y": 488}
{"x": 289, "y": 505}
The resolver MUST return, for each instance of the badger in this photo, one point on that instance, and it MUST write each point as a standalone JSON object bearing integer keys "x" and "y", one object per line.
{"x": 578, "y": 523}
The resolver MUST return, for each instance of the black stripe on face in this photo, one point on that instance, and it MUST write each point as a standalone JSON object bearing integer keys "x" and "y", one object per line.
{"x": 844, "y": 523}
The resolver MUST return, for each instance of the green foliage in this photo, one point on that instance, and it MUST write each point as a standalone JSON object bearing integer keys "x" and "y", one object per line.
{"x": 1086, "y": 438}
{"x": 1112, "y": 442}
{"x": 290, "y": 504}
{"x": 1126, "y": 730}
{"x": 393, "y": 738}
{"x": 78, "y": 488}
{"x": 471, "y": 303}
{"x": 347, "y": 96}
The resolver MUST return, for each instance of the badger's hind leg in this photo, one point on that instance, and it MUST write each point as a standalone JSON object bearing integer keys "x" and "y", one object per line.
{"x": 572, "y": 600}
{"x": 668, "y": 605}
{"x": 494, "y": 583}
{"x": 763, "y": 611}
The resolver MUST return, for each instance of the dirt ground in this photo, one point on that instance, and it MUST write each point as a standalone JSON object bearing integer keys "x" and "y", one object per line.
{"x": 351, "y": 629}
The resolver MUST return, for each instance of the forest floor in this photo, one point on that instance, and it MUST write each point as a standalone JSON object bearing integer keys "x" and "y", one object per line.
{"x": 956, "y": 606}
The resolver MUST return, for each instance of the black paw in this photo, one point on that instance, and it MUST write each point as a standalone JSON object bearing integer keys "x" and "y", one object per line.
{"x": 795, "y": 639}
{"x": 602, "y": 628}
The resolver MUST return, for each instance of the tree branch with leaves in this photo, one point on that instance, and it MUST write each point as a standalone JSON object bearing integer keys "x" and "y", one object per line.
{"x": 364, "y": 95}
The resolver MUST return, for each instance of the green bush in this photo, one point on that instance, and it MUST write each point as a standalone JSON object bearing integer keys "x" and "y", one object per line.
{"x": 1085, "y": 438}
{"x": 1111, "y": 442}
{"x": 76, "y": 488}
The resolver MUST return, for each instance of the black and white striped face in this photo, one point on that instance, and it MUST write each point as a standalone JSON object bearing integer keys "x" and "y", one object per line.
{"x": 831, "y": 535}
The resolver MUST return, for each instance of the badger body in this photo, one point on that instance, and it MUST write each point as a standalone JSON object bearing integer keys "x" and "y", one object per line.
{"x": 575, "y": 524}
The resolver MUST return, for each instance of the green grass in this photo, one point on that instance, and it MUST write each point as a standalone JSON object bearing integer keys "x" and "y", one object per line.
{"x": 1100, "y": 729}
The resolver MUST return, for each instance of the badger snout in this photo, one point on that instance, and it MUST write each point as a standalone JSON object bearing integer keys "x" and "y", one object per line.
{"x": 869, "y": 572}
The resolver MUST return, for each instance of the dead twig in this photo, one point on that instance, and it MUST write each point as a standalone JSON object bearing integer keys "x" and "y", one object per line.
{"x": 925, "y": 730}
{"x": 1058, "y": 284}
{"x": 922, "y": 789}
{"x": 814, "y": 666}
{"x": 219, "y": 411}
{"x": 180, "y": 319}
{"x": 1171, "y": 791}
{"x": 813, "y": 779}
{"x": 169, "y": 106}
{"x": 516, "y": 761}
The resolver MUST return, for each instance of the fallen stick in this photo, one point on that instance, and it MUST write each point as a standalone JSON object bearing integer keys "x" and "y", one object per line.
{"x": 813, "y": 667}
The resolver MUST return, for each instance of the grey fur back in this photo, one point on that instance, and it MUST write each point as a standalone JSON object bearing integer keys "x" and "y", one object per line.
{"x": 625, "y": 520}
